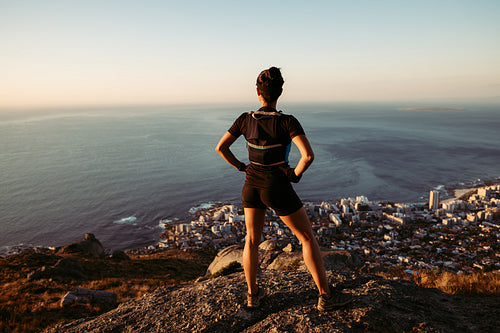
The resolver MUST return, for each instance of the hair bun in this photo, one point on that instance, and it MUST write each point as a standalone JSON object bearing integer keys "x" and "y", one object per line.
{"x": 270, "y": 83}
{"x": 274, "y": 73}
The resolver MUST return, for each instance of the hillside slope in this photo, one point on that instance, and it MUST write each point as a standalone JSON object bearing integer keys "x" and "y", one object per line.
{"x": 217, "y": 305}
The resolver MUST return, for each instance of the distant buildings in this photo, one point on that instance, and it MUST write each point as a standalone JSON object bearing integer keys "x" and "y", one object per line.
{"x": 434, "y": 200}
{"x": 460, "y": 235}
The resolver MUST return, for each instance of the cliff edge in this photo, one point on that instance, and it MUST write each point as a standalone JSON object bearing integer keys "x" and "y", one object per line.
{"x": 217, "y": 305}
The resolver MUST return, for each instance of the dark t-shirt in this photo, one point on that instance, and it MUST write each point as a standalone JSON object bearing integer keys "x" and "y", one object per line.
{"x": 270, "y": 130}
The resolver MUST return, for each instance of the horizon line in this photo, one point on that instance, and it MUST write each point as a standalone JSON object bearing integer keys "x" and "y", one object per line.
{"x": 407, "y": 104}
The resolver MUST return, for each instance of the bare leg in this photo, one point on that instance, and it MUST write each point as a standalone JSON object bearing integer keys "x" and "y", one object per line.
{"x": 254, "y": 221}
{"x": 299, "y": 223}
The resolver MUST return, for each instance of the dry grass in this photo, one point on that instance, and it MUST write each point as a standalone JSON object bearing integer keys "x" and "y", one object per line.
{"x": 32, "y": 306}
{"x": 473, "y": 284}
{"x": 290, "y": 265}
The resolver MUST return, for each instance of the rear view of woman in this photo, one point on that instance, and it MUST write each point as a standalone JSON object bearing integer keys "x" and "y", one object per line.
{"x": 269, "y": 134}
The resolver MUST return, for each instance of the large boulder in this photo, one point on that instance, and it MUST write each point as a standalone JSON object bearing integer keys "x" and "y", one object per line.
{"x": 268, "y": 251}
{"x": 334, "y": 260}
{"x": 89, "y": 247}
{"x": 287, "y": 258}
{"x": 225, "y": 257}
{"x": 269, "y": 245}
{"x": 288, "y": 261}
{"x": 82, "y": 295}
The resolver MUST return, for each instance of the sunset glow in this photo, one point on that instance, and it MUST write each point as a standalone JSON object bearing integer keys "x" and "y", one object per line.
{"x": 71, "y": 53}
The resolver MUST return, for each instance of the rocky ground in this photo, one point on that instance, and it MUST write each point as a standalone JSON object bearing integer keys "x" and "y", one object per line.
{"x": 40, "y": 287}
{"x": 217, "y": 305}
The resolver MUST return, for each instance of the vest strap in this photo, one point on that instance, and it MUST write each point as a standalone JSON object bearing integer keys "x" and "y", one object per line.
{"x": 264, "y": 147}
{"x": 273, "y": 164}
{"x": 264, "y": 113}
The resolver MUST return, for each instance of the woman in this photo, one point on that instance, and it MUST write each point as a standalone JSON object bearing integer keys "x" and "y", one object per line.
{"x": 269, "y": 135}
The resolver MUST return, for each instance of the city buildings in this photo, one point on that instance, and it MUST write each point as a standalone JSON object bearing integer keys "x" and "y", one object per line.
{"x": 434, "y": 200}
{"x": 461, "y": 236}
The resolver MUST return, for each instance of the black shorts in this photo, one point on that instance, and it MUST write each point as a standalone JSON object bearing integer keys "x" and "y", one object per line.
{"x": 283, "y": 199}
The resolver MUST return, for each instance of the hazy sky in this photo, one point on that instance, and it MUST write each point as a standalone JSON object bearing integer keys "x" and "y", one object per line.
{"x": 88, "y": 52}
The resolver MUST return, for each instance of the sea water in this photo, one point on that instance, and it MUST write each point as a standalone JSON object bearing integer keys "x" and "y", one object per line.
{"x": 116, "y": 172}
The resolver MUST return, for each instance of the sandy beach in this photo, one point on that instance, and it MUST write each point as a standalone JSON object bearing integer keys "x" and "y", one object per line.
{"x": 458, "y": 193}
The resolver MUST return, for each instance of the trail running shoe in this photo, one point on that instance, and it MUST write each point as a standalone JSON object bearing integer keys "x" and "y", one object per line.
{"x": 253, "y": 301}
{"x": 335, "y": 301}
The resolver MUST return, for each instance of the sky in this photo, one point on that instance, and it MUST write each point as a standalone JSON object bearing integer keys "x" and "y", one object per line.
{"x": 104, "y": 52}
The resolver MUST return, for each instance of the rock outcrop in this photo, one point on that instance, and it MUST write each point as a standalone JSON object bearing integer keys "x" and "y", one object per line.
{"x": 82, "y": 295}
{"x": 119, "y": 256}
{"x": 64, "y": 269}
{"x": 272, "y": 256}
{"x": 89, "y": 247}
{"x": 217, "y": 305}
{"x": 225, "y": 257}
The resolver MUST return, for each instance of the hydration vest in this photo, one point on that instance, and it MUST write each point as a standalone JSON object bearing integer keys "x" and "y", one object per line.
{"x": 264, "y": 146}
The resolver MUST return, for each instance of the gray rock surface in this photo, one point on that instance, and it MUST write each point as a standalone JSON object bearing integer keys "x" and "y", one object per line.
{"x": 269, "y": 245}
{"x": 217, "y": 305}
{"x": 289, "y": 248}
{"x": 225, "y": 257}
{"x": 82, "y": 295}
{"x": 271, "y": 256}
{"x": 288, "y": 261}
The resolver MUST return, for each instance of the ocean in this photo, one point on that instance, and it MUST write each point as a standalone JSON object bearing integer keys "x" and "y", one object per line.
{"x": 115, "y": 172}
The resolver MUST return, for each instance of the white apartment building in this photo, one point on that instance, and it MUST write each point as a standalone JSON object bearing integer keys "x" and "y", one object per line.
{"x": 434, "y": 200}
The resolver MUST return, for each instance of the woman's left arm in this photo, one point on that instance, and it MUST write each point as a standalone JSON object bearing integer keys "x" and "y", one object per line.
{"x": 306, "y": 154}
{"x": 223, "y": 150}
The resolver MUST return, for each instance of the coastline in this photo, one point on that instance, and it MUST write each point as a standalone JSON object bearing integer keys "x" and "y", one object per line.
{"x": 370, "y": 150}
{"x": 459, "y": 192}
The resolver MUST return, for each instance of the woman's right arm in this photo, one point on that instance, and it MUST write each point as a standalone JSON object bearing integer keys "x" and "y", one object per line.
{"x": 223, "y": 150}
{"x": 306, "y": 154}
